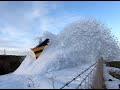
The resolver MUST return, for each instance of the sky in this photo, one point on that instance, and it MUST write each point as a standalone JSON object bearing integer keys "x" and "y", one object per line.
{"x": 22, "y": 22}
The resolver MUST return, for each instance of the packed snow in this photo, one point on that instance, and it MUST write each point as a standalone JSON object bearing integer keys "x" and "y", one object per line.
{"x": 75, "y": 48}
{"x": 117, "y": 70}
{"x": 114, "y": 84}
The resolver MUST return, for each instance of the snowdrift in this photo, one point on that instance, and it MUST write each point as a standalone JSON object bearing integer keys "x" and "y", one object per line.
{"x": 80, "y": 43}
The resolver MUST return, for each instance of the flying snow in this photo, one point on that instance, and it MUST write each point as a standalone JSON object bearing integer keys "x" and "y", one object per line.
{"x": 78, "y": 45}
{"x": 81, "y": 42}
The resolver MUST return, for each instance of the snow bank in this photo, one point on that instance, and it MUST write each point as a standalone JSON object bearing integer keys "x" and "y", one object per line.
{"x": 30, "y": 58}
{"x": 114, "y": 84}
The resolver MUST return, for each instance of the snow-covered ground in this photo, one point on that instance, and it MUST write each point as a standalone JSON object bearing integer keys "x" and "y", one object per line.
{"x": 117, "y": 70}
{"x": 70, "y": 52}
{"x": 59, "y": 78}
{"x": 115, "y": 82}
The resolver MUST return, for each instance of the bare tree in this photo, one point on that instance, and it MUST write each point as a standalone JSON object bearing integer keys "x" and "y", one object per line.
{"x": 30, "y": 83}
{"x": 52, "y": 81}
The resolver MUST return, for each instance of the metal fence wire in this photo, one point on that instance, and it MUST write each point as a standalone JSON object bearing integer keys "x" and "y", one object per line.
{"x": 89, "y": 80}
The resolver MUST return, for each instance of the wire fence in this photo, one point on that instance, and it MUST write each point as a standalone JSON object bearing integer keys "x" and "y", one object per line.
{"x": 91, "y": 75}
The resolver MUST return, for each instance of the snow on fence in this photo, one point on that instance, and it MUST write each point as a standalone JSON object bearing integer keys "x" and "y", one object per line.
{"x": 93, "y": 79}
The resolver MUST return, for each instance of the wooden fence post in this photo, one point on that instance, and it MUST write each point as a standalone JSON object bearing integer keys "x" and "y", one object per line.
{"x": 98, "y": 78}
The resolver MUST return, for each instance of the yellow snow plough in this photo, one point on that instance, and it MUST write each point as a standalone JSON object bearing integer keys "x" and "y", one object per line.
{"x": 39, "y": 48}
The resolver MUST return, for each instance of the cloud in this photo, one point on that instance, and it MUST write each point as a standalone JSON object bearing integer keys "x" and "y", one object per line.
{"x": 55, "y": 24}
{"x": 18, "y": 26}
{"x": 21, "y": 22}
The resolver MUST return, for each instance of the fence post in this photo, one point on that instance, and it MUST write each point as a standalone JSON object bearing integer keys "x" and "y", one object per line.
{"x": 97, "y": 82}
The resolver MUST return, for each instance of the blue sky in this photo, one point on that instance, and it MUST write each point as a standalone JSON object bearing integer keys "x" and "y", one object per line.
{"x": 21, "y": 22}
